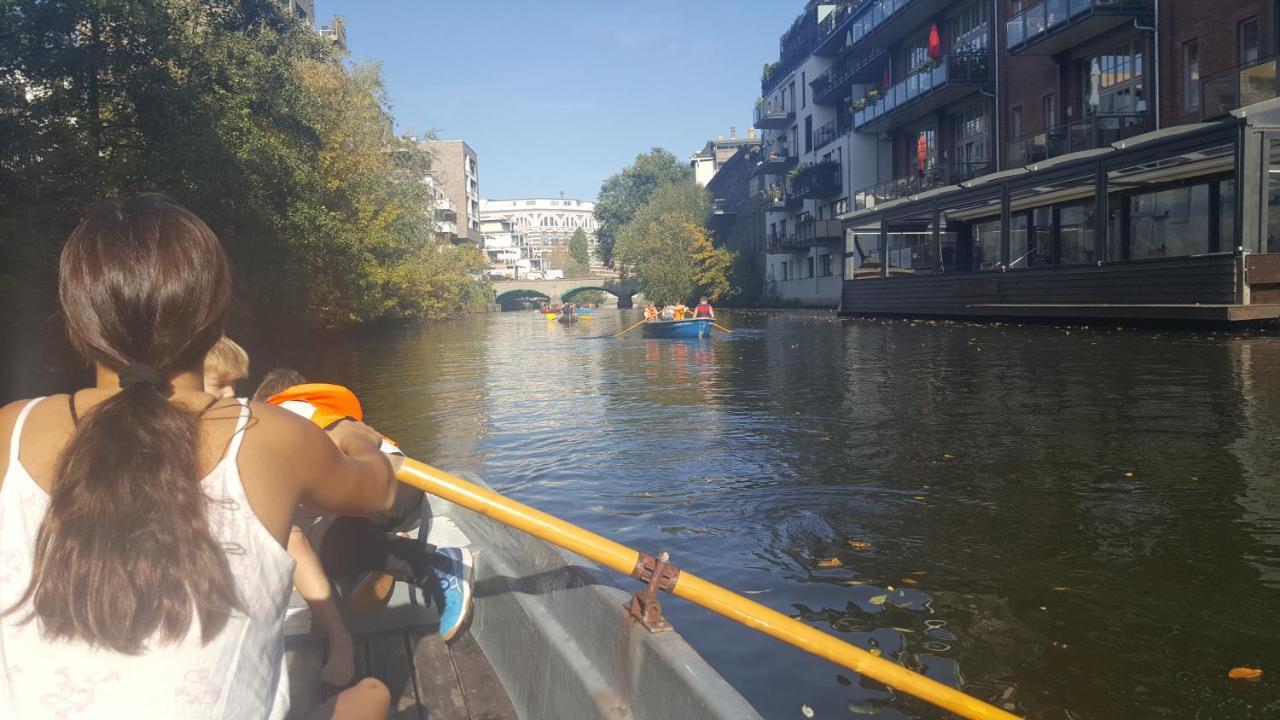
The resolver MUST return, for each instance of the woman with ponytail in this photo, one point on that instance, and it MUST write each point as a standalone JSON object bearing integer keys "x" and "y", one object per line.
{"x": 143, "y": 522}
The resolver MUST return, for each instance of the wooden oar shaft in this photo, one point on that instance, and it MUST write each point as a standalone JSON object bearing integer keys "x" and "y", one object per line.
{"x": 694, "y": 589}
{"x": 633, "y": 327}
{"x": 721, "y": 327}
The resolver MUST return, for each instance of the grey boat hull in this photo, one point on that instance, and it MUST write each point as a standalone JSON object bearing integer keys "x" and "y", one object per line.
{"x": 553, "y": 626}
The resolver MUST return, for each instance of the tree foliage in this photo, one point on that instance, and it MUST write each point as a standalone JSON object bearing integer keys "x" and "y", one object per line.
{"x": 243, "y": 114}
{"x": 623, "y": 194}
{"x": 579, "y": 252}
{"x": 669, "y": 253}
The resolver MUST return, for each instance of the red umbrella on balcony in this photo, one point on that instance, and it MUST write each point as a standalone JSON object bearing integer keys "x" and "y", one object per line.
{"x": 935, "y": 43}
{"x": 884, "y": 82}
{"x": 922, "y": 152}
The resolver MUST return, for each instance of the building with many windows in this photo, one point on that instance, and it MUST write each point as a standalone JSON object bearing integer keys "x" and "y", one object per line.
{"x": 455, "y": 168}
{"x": 1034, "y": 158}
{"x": 546, "y": 224}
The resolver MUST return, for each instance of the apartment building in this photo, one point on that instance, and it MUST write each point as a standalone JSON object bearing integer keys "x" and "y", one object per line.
{"x": 547, "y": 225}
{"x": 455, "y": 168}
{"x": 1026, "y": 158}
{"x": 738, "y": 218}
{"x": 708, "y": 161}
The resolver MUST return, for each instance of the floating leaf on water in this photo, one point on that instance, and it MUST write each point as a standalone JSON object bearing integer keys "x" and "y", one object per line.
{"x": 859, "y": 544}
{"x": 919, "y": 497}
{"x": 756, "y": 592}
{"x": 1044, "y": 608}
{"x": 878, "y": 599}
{"x": 909, "y": 581}
{"x": 948, "y": 456}
{"x": 858, "y": 708}
{"x": 1062, "y": 589}
{"x": 855, "y": 582}
{"x": 889, "y": 588}
{"x": 831, "y": 562}
{"x": 1245, "y": 673}
{"x": 806, "y": 711}
{"x": 920, "y": 572}
{"x": 1128, "y": 474}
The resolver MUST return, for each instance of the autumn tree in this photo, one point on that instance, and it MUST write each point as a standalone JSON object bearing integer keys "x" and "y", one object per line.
{"x": 622, "y": 195}
{"x": 669, "y": 252}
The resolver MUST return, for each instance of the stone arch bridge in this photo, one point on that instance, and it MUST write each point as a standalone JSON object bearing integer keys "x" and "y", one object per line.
{"x": 557, "y": 291}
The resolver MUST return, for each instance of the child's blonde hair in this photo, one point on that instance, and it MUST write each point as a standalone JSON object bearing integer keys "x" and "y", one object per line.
{"x": 227, "y": 361}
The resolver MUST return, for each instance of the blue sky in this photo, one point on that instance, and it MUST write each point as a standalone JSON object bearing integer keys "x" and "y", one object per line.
{"x": 558, "y": 95}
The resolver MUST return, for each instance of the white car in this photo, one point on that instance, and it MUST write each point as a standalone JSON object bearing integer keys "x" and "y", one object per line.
{"x": 555, "y": 275}
{"x": 533, "y": 275}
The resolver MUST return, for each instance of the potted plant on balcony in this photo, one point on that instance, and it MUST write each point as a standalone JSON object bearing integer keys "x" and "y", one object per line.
{"x": 859, "y": 104}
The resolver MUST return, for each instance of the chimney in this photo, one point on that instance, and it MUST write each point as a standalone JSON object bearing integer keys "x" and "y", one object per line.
{"x": 720, "y": 138}
{"x": 751, "y": 133}
{"x": 733, "y": 133}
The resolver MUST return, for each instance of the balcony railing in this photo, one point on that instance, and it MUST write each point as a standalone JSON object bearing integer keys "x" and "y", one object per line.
{"x": 812, "y": 232}
{"x": 779, "y": 242}
{"x": 832, "y": 131}
{"x": 1242, "y": 85}
{"x": 832, "y": 85}
{"x": 771, "y": 115}
{"x": 1092, "y": 132}
{"x": 777, "y": 199}
{"x": 933, "y": 177}
{"x": 777, "y": 162}
{"x": 968, "y": 68}
{"x": 1039, "y": 22}
{"x": 722, "y": 206}
{"x": 818, "y": 180}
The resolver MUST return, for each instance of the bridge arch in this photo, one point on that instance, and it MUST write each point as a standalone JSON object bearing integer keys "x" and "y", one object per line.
{"x": 512, "y": 296}
{"x": 569, "y": 295}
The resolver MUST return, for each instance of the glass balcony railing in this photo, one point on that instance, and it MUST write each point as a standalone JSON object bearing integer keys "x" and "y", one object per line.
{"x": 1093, "y": 132}
{"x": 772, "y": 115}
{"x": 1041, "y": 20}
{"x": 1238, "y": 87}
{"x": 965, "y": 67}
{"x": 935, "y": 176}
{"x": 817, "y": 180}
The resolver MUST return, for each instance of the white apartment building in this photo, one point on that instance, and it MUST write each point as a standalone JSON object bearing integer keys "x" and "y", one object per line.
{"x": 545, "y": 223}
{"x": 812, "y": 163}
{"x": 504, "y": 250}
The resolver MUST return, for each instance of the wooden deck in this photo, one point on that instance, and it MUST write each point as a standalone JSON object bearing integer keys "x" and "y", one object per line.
{"x": 428, "y": 679}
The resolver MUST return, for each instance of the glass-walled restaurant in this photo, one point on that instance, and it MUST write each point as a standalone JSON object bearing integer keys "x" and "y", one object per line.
{"x": 1180, "y": 224}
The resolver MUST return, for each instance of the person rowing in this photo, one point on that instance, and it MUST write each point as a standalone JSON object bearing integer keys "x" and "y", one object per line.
{"x": 143, "y": 521}
{"x": 704, "y": 309}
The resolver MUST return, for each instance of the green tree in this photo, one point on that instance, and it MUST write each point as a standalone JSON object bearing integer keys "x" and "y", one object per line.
{"x": 623, "y": 194}
{"x": 240, "y": 112}
{"x": 669, "y": 252}
{"x": 579, "y": 252}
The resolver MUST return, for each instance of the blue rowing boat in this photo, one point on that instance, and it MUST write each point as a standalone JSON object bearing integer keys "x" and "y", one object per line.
{"x": 674, "y": 329}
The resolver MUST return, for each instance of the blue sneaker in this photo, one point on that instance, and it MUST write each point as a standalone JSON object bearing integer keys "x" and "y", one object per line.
{"x": 455, "y": 590}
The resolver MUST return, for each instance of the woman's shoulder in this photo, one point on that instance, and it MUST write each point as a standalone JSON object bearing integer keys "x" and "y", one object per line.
{"x": 8, "y": 420}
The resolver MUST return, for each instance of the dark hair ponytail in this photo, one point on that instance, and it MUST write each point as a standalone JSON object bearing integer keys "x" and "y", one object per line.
{"x": 125, "y": 553}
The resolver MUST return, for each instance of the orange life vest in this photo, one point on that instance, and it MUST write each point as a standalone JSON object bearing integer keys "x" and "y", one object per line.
{"x": 702, "y": 311}
{"x": 325, "y": 405}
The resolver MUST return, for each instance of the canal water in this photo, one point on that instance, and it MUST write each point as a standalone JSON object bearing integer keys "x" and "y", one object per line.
{"x": 1076, "y": 523}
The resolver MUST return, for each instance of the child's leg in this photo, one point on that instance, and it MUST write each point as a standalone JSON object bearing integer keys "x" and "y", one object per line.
{"x": 366, "y": 700}
{"x": 313, "y": 586}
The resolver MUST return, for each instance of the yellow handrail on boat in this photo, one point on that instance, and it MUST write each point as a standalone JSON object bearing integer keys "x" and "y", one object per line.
{"x": 694, "y": 589}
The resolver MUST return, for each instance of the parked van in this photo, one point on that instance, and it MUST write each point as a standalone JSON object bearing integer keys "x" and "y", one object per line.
{"x": 555, "y": 274}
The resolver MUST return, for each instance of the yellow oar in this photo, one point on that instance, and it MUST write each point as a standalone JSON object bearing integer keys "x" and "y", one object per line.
{"x": 633, "y": 327}
{"x": 694, "y": 589}
{"x": 721, "y": 328}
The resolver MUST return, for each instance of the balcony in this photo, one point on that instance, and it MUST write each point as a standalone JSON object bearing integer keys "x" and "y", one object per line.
{"x": 933, "y": 177}
{"x": 1054, "y": 26}
{"x": 722, "y": 206}
{"x": 832, "y": 131}
{"x": 882, "y": 22}
{"x": 818, "y": 181}
{"x": 950, "y": 79}
{"x": 773, "y": 116}
{"x": 1242, "y": 85}
{"x": 777, "y": 162}
{"x": 1093, "y": 132}
{"x": 444, "y": 215}
{"x": 811, "y": 232}
{"x": 837, "y": 82}
{"x": 777, "y": 199}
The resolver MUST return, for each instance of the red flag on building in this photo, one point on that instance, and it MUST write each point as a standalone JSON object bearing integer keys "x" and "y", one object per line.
{"x": 935, "y": 43}
{"x": 884, "y": 82}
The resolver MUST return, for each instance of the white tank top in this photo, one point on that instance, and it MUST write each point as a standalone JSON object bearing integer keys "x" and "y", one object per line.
{"x": 239, "y": 674}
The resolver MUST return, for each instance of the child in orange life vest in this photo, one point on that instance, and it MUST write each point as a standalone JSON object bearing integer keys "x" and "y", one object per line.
{"x": 225, "y": 364}
{"x": 350, "y": 546}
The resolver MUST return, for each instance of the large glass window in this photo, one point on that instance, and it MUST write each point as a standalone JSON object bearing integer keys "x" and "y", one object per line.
{"x": 863, "y": 251}
{"x": 1227, "y": 239}
{"x": 972, "y": 135}
{"x": 911, "y": 253}
{"x": 1272, "y": 243}
{"x": 1019, "y": 242}
{"x": 986, "y": 245}
{"x": 1169, "y": 223}
{"x": 968, "y": 28}
{"x": 1075, "y": 234}
{"x": 1249, "y": 49}
{"x": 1113, "y": 81}
{"x": 1040, "y": 249}
{"x": 1191, "y": 74}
